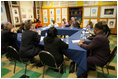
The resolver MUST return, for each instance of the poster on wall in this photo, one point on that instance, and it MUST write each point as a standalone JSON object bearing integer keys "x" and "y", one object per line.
{"x": 108, "y": 12}
{"x": 58, "y": 11}
{"x": 64, "y": 11}
{"x": 51, "y": 19}
{"x": 16, "y": 17}
{"x": 52, "y": 12}
{"x": 111, "y": 23}
{"x": 85, "y": 22}
{"x": 94, "y": 11}
{"x": 45, "y": 20}
{"x": 45, "y": 12}
{"x": 3, "y": 14}
{"x": 94, "y": 21}
{"x": 58, "y": 19}
{"x": 87, "y": 12}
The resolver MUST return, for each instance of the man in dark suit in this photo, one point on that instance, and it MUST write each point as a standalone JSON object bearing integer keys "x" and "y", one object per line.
{"x": 99, "y": 47}
{"x": 54, "y": 45}
{"x": 29, "y": 43}
{"x": 8, "y": 38}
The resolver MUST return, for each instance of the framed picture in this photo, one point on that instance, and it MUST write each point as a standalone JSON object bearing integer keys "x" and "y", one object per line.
{"x": 87, "y": 12}
{"x": 52, "y": 12}
{"x": 111, "y": 23}
{"x": 94, "y": 11}
{"x": 51, "y": 18}
{"x": 58, "y": 11}
{"x": 108, "y": 11}
{"x": 45, "y": 12}
{"x": 94, "y": 21}
{"x": 58, "y": 19}
{"x": 45, "y": 20}
{"x": 85, "y": 21}
{"x": 64, "y": 11}
{"x": 16, "y": 17}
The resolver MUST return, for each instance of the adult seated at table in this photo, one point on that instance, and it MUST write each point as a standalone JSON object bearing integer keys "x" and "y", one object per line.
{"x": 64, "y": 23}
{"x": 29, "y": 46}
{"x": 106, "y": 29}
{"x": 54, "y": 45}
{"x": 22, "y": 28}
{"x": 38, "y": 24}
{"x": 8, "y": 37}
{"x": 53, "y": 24}
{"x": 89, "y": 24}
{"x": 99, "y": 47}
{"x": 72, "y": 22}
{"x": 77, "y": 24}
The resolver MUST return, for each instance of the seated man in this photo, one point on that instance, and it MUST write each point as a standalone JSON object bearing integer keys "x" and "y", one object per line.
{"x": 99, "y": 47}
{"x": 29, "y": 43}
{"x": 77, "y": 24}
{"x": 22, "y": 28}
{"x": 53, "y": 24}
{"x": 8, "y": 38}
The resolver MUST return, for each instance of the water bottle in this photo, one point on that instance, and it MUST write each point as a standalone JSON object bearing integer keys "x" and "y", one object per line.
{"x": 67, "y": 39}
{"x": 45, "y": 34}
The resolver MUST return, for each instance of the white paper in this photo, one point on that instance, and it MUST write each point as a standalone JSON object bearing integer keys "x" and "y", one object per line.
{"x": 75, "y": 41}
{"x": 87, "y": 12}
{"x": 44, "y": 12}
{"x": 64, "y": 11}
{"x": 58, "y": 11}
{"x": 62, "y": 39}
{"x": 42, "y": 37}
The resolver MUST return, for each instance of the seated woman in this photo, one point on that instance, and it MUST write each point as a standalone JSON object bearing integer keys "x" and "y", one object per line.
{"x": 89, "y": 24}
{"x": 64, "y": 23}
{"x": 53, "y": 24}
{"x": 54, "y": 45}
{"x": 38, "y": 24}
{"x": 22, "y": 28}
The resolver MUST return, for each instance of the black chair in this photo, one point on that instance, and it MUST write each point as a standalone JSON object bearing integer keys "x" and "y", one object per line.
{"x": 108, "y": 61}
{"x": 13, "y": 55}
{"x": 48, "y": 59}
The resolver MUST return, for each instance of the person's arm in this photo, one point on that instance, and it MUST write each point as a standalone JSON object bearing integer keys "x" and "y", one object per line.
{"x": 96, "y": 42}
{"x": 87, "y": 42}
{"x": 56, "y": 25}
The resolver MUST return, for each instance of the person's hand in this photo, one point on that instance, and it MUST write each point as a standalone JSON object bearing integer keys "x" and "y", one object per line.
{"x": 34, "y": 30}
{"x": 81, "y": 42}
{"x": 39, "y": 32}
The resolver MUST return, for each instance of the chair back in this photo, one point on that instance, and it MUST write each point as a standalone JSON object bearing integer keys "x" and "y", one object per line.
{"x": 113, "y": 54}
{"x": 12, "y": 53}
{"x": 47, "y": 59}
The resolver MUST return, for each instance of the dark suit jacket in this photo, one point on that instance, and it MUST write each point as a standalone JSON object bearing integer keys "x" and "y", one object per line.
{"x": 29, "y": 44}
{"x": 99, "y": 46}
{"x": 55, "y": 47}
{"x": 8, "y": 39}
{"x": 77, "y": 25}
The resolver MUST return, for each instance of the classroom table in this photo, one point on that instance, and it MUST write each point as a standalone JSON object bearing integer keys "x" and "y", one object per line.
{"x": 74, "y": 52}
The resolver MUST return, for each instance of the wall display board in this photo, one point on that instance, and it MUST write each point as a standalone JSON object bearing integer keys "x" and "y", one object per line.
{"x": 111, "y": 23}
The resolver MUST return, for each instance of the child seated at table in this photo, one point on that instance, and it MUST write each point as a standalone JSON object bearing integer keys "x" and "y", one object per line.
{"x": 53, "y": 24}
{"x": 38, "y": 24}
{"x": 89, "y": 24}
{"x": 64, "y": 23}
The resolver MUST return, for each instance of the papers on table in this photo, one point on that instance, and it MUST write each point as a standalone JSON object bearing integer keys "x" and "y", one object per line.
{"x": 45, "y": 28}
{"x": 42, "y": 37}
{"x": 62, "y": 39}
{"x": 75, "y": 41}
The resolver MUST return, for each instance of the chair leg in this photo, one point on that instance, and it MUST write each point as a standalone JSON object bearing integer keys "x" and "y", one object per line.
{"x": 25, "y": 69}
{"x": 103, "y": 72}
{"x": 43, "y": 71}
{"x": 59, "y": 72}
{"x": 14, "y": 66}
{"x": 107, "y": 70}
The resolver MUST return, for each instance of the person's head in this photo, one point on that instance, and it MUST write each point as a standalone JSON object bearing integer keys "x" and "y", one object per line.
{"x": 104, "y": 22}
{"x": 72, "y": 19}
{"x": 75, "y": 18}
{"x": 64, "y": 20}
{"x": 98, "y": 27}
{"x": 2, "y": 26}
{"x": 8, "y": 26}
{"x": 53, "y": 21}
{"x": 52, "y": 32}
{"x": 90, "y": 23}
{"x": 28, "y": 25}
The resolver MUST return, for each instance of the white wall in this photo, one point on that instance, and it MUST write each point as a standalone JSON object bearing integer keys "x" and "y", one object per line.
{"x": 26, "y": 10}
